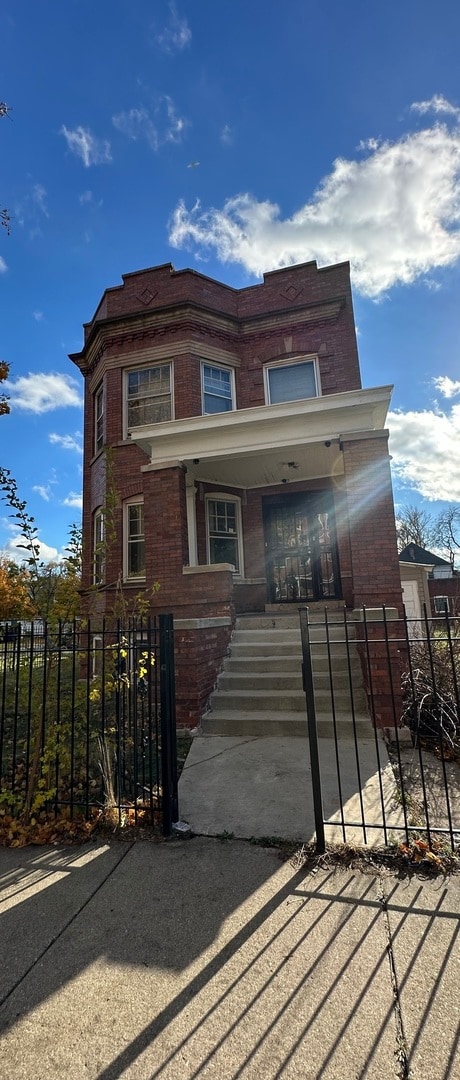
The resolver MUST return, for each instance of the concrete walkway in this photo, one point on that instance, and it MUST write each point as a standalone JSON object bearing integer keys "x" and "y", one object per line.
{"x": 204, "y": 959}
{"x": 260, "y": 786}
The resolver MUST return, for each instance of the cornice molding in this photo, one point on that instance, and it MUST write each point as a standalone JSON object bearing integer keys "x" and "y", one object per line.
{"x": 190, "y": 320}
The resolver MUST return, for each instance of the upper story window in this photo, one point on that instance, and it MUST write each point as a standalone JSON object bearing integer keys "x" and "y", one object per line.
{"x": 291, "y": 381}
{"x": 218, "y": 393}
{"x": 134, "y": 539}
{"x": 99, "y": 419}
{"x": 149, "y": 396}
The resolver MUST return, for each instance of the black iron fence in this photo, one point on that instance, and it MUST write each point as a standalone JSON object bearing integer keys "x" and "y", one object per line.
{"x": 382, "y": 698}
{"x": 87, "y": 720}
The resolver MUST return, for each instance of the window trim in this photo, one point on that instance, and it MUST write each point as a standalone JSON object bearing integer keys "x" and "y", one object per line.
{"x": 219, "y": 367}
{"x": 224, "y": 496}
{"x": 98, "y": 557}
{"x": 446, "y": 604}
{"x": 145, "y": 367}
{"x": 309, "y": 358}
{"x": 99, "y": 417}
{"x": 97, "y": 651}
{"x": 136, "y": 500}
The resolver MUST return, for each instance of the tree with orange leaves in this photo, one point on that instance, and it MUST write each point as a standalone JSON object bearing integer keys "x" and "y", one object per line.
{"x": 14, "y": 594}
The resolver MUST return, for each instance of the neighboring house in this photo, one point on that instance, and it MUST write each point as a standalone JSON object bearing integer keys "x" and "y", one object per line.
{"x": 443, "y": 580}
{"x": 251, "y": 468}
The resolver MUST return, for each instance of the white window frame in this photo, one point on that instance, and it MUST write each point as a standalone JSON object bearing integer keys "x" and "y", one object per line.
{"x": 97, "y": 650}
{"x": 137, "y": 500}
{"x": 219, "y": 367}
{"x": 440, "y": 608}
{"x": 308, "y": 359}
{"x": 223, "y": 496}
{"x": 99, "y": 417}
{"x": 146, "y": 367}
{"x": 98, "y": 538}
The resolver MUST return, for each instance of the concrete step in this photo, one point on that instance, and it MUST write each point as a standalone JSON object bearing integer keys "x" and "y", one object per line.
{"x": 316, "y": 608}
{"x": 285, "y": 648}
{"x": 286, "y": 723}
{"x": 286, "y": 622}
{"x": 259, "y": 690}
{"x": 320, "y": 664}
{"x": 280, "y": 680}
{"x": 279, "y": 701}
{"x": 271, "y": 633}
{"x": 268, "y": 680}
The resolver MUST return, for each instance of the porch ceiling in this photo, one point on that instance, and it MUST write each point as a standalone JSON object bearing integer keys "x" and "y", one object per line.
{"x": 258, "y": 447}
{"x": 252, "y": 470}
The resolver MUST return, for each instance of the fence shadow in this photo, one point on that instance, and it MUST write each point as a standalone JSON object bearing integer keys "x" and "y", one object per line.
{"x": 208, "y": 958}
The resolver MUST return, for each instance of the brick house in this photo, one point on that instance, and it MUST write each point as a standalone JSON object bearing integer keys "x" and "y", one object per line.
{"x": 250, "y": 466}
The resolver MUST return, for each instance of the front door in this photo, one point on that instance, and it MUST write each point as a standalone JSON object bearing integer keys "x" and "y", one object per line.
{"x": 301, "y": 548}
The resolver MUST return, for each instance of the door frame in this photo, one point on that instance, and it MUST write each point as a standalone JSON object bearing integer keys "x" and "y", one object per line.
{"x": 308, "y": 498}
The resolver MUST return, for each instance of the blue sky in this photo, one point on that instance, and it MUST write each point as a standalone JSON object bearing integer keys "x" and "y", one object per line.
{"x": 332, "y": 134}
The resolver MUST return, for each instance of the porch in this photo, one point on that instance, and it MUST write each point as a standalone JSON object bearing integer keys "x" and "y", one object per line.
{"x": 295, "y": 497}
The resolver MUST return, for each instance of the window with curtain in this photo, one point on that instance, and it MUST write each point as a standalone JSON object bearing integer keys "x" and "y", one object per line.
{"x": 149, "y": 396}
{"x": 291, "y": 382}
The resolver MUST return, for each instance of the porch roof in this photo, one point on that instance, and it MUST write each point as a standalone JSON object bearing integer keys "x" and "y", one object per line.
{"x": 268, "y": 444}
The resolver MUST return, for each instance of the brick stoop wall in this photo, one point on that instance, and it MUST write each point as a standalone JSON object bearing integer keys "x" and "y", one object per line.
{"x": 380, "y": 644}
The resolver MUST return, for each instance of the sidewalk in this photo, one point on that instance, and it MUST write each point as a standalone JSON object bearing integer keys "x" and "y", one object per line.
{"x": 204, "y": 958}
{"x": 261, "y": 786}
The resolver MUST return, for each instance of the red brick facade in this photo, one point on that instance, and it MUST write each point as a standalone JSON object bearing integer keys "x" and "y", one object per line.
{"x": 161, "y": 316}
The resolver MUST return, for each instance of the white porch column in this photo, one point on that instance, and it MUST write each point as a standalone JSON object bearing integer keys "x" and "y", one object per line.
{"x": 190, "y": 491}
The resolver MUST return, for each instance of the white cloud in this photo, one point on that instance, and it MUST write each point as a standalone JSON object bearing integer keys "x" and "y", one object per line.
{"x": 39, "y": 198}
{"x": 369, "y": 144}
{"x": 43, "y": 491}
{"x": 438, "y": 105}
{"x": 14, "y": 550}
{"x": 176, "y": 124}
{"x": 395, "y": 214}
{"x": 40, "y": 392}
{"x": 177, "y": 34}
{"x": 88, "y": 147}
{"x": 448, "y": 387}
{"x": 226, "y": 135}
{"x": 67, "y": 442}
{"x": 138, "y": 124}
{"x": 85, "y": 197}
{"x": 3, "y": 265}
{"x": 38, "y": 316}
{"x": 73, "y": 499}
{"x": 425, "y": 447}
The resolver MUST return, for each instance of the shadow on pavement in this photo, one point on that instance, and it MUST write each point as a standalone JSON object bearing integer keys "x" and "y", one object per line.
{"x": 208, "y": 959}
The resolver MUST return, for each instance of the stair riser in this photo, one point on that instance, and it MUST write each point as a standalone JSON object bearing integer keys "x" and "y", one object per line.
{"x": 287, "y": 701}
{"x": 264, "y": 648}
{"x": 318, "y": 633}
{"x": 261, "y": 664}
{"x": 282, "y": 680}
{"x": 236, "y": 726}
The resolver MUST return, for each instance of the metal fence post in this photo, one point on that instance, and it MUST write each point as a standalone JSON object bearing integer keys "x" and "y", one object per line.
{"x": 168, "y": 725}
{"x": 307, "y": 679}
